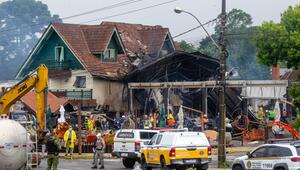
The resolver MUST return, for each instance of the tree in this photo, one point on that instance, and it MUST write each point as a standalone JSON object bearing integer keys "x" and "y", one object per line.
{"x": 236, "y": 21}
{"x": 21, "y": 24}
{"x": 291, "y": 23}
{"x": 279, "y": 43}
{"x": 271, "y": 43}
{"x": 239, "y": 44}
{"x": 187, "y": 47}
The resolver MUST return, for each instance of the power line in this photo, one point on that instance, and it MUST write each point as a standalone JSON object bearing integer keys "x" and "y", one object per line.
{"x": 129, "y": 12}
{"x": 104, "y": 8}
{"x": 192, "y": 29}
{"x": 124, "y": 3}
{"x": 266, "y": 36}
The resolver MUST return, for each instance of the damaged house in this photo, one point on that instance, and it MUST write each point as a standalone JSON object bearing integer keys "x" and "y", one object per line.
{"x": 87, "y": 63}
{"x": 181, "y": 67}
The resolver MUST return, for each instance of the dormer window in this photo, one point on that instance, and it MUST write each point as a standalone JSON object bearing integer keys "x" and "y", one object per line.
{"x": 59, "y": 54}
{"x": 109, "y": 55}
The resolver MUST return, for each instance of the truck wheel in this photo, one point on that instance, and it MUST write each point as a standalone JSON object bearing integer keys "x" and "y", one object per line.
{"x": 237, "y": 167}
{"x": 144, "y": 165}
{"x": 163, "y": 165}
{"x": 180, "y": 168}
{"x": 202, "y": 167}
{"x": 128, "y": 163}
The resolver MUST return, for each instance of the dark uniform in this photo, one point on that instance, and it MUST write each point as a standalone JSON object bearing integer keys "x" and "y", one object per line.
{"x": 53, "y": 154}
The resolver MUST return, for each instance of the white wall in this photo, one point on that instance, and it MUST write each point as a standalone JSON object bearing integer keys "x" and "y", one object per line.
{"x": 104, "y": 91}
{"x": 67, "y": 83}
{"x": 110, "y": 93}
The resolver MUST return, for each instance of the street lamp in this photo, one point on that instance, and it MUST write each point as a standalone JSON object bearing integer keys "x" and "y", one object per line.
{"x": 178, "y": 10}
{"x": 222, "y": 107}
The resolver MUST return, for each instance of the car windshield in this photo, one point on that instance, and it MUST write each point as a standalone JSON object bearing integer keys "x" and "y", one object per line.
{"x": 125, "y": 135}
{"x": 190, "y": 141}
{"x": 147, "y": 135}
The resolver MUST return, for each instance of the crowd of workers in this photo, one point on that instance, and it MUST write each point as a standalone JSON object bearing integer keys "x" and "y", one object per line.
{"x": 54, "y": 145}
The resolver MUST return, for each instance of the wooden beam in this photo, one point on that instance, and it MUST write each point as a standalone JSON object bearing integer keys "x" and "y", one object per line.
{"x": 209, "y": 84}
{"x": 201, "y": 115}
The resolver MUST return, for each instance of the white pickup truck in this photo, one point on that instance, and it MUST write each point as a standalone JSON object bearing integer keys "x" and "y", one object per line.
{"x": 128, "y": 142}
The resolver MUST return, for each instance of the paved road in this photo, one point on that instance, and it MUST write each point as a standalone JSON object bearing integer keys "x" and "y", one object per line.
{"x": 112, "y": 164}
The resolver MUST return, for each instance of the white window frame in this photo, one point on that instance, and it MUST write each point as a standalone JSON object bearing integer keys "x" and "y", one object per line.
{"x": 59, "y": 57}
{"x": 109, "y": 55}
{"x": 78, "y": 82}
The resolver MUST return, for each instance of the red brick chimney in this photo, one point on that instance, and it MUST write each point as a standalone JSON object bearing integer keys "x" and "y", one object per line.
{"x": 276, "y": 72}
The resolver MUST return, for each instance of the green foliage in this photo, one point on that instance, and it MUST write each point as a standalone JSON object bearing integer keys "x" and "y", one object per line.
{"x": 241, "y": 50}
{"x": 296, "y": 123}
{"x": 294, "y": 91}
{"x": 187, "y": 47}
{"x": 290, "y": 19}
{"x": 271, "y": 43}
{"x": 20, "y": 23}
{"x": 279, "y": 43}
{"x": 236, "y": 20}
{"x": 207, "y": 47}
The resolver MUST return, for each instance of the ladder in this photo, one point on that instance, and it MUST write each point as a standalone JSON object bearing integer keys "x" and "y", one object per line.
{"x": 32, "y": 155}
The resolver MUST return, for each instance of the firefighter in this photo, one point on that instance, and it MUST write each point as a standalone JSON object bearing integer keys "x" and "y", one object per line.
{"x": 69, "y": 141}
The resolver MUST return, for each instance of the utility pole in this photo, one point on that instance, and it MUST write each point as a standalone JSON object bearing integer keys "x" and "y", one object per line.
{"x": 79, "y": 130}
{"x": 222, "y": 106}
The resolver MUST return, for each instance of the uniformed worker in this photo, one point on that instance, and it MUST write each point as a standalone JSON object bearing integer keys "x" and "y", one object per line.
{"x": 147, "y": 123}
{"x": 99, "y": 148}
{"x": 69, "y": 141}
{"x": 171, "y": 120}
{"x": 53, "y": 153}
{"x": 261, "y": 113}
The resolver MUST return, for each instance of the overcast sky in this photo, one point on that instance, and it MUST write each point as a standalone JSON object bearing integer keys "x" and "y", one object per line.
{"x": 205, "y": 10}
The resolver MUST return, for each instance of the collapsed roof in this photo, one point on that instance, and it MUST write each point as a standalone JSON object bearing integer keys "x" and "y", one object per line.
{"x": 181, "y": 66}
{"x": 88, "y": 42}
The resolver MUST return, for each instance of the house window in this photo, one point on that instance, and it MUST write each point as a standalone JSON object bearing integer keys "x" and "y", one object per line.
{"x": 59, "y": 54}
{"x": 109, "y": 55}
{"x": 80, "y": 82}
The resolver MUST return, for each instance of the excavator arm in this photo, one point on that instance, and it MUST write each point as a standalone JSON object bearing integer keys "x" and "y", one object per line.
{"x": 38, "y": 80}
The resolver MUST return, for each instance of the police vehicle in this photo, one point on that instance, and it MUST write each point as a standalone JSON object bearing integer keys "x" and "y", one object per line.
{"x": 270, "y": 156}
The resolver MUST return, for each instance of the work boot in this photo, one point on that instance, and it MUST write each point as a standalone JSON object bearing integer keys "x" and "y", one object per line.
{"x": 102, "y": 167}
{"x": 94, "y": 167}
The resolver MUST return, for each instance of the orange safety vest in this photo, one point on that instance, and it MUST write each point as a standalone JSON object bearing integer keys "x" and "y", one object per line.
{"x": 171, "y": 122}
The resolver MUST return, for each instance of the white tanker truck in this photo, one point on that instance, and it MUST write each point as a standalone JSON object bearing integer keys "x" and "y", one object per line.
{"x": 13, "y": 136}
{"x": 13, "y": 142}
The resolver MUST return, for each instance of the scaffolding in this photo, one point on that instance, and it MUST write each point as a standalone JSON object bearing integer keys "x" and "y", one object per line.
{"x": 31, "y": 146}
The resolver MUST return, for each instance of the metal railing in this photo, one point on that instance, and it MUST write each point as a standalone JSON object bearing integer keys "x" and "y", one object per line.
{"x": 74, "y": 93}
{"x": 59, "y": 65}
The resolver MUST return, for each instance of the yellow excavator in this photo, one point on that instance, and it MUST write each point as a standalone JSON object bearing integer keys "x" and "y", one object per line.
{"x": 38, "y": 79}
{"x": 15, "y": 142}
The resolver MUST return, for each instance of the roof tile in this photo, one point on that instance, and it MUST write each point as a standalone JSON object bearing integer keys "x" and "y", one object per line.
{"x": 86, "y": 40}
{"x": 30, "y": 101}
